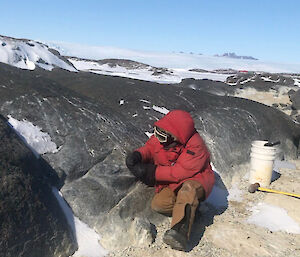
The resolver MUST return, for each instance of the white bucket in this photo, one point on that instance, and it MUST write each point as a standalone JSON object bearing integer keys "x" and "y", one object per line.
{"x": 261, "y": 163}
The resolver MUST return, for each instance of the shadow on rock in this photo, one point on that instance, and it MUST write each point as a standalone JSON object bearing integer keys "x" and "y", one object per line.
{"x": 32, "y": 222}
{"x": 275, "y": 175}
{"x": 214, "y": 205}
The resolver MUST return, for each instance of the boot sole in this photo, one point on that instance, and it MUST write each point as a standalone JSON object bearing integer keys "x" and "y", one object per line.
{"x": 173, "y": 243}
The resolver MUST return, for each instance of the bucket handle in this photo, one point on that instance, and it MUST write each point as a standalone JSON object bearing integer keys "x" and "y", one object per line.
{"x": 272, "y": 143}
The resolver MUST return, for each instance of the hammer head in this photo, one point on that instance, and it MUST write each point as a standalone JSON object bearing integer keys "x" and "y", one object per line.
{"x": 253, "y": 187}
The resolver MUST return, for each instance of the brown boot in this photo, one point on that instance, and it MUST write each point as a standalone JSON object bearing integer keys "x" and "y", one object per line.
{"x": 177, "y": 236}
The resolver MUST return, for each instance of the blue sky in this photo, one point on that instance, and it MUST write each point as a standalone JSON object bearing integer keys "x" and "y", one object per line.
{"x": 266, "y": 29}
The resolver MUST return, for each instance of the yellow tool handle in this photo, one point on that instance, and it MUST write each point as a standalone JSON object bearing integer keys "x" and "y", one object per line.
{"x": 277, "y": 192}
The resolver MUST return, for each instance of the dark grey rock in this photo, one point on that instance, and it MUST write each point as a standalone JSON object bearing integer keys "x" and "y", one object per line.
{"x": 32, "y": 223}
{"x": 201, "y": 70}
{"x": 132, "y": 216}
{"x": 261, "y": 81}
{"x": 30, "y": 44}
{"x": 209, "y": 86}
{"x": 97, "y": 192}
{"x": 295, "y": 99}
{"x": 291, "y": 92}
{"x": 294, "y": 112}
{"x": 283, "y": 105}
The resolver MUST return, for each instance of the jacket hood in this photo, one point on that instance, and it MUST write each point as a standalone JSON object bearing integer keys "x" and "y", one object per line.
{"x": 179, "y": 123}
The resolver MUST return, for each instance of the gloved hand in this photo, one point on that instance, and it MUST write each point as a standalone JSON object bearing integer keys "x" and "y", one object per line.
{"x": 145, "y": 172}
{"x": 132, "y": 159}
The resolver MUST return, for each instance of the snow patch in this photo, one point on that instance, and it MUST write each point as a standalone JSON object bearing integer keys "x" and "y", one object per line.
{"x": 144, "y": 101}
{"x": 30, "y": 65}
{"x": 32, "y": 135}
{"x": 270, "y": 80}
{"x": 273, "y": 218}
{"x": 162, "y": 110}
{"x": 297, "y": 82}
{"x": 247, "y": 80}
{"x": 235, "y": 194}
{"x": 87, "y": 239}
{"x": 214, "y": 168}
{"x": 148, "y": 134}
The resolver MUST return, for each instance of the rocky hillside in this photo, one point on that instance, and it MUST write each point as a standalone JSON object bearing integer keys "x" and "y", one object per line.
{"x": 92, "y": 120}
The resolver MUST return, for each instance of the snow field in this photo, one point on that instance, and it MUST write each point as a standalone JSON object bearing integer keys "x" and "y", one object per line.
{"x": 171, "y": 60}
{"x": 144, "y": 73}
{"x": 273, "y": 218}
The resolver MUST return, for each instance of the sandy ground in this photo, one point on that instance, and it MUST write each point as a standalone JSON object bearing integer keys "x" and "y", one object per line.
{"x": 267, "y": 98}
{"x": 227, "y": 233}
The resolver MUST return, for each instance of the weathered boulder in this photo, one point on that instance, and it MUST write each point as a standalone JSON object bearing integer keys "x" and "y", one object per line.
{"x": 32, "y": 223}
{"x": 295, "y": 99}
{"x": 131, "y": 221}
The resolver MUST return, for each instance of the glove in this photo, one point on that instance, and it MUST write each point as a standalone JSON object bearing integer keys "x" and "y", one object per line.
{"x": 132, "y": 159}
{"x": 145, "y": 172}
{"x": 149, "y": 177}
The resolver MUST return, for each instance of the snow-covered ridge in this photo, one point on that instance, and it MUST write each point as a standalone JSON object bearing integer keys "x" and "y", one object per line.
{"x": 141, "y": 71}
{"x": 172, "y": 60}
{"x": 28, "y": 54}
{"x": 149, "y": 66}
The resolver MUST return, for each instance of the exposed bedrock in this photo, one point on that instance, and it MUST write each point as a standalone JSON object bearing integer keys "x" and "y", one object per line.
{"x": 32, "y": 223}
{"x": 94, "y": 120}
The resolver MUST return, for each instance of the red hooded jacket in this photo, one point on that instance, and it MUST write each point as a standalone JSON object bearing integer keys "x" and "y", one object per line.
{"x": 188, "y": 160}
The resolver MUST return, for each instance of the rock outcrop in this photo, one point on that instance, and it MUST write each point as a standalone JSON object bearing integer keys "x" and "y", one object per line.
{"x": 295, "y": 99}
{"x": 32, "y": 223}
{"x": 96, "y": 119}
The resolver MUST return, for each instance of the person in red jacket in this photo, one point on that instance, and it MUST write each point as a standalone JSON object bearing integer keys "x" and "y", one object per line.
{"x": 176, "y": 161}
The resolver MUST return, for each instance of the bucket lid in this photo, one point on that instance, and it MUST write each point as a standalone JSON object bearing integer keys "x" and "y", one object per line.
{"x": 261, "y": 145}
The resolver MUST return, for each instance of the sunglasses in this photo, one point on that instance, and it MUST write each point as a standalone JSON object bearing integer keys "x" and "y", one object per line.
{"x": 161, "y": 135}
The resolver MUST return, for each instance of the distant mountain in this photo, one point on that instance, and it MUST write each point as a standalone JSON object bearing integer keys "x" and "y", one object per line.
{"x": 234, "y": 56}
